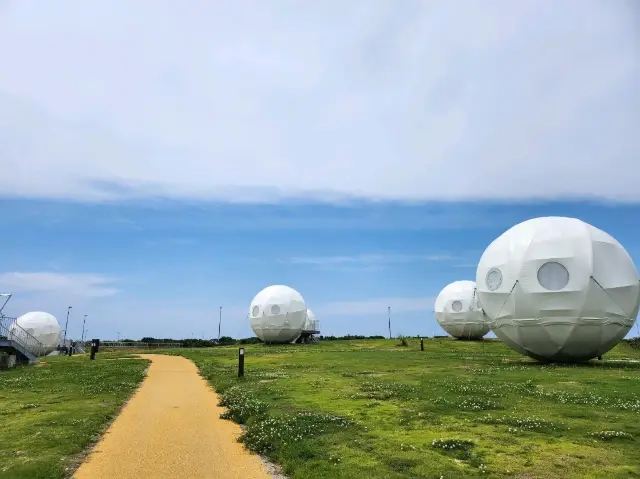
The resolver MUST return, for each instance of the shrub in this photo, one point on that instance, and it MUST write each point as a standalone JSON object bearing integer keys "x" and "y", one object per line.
{"x": 452, "y": 444}
{"x": 241, "y": 405}
{"x": 518, "y": 424}
{"x": 268, "y": 435}
{"x": 611, "y": 435}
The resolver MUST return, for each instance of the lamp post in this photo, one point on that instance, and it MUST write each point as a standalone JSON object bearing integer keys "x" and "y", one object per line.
{"x": 66, "y": 326}
{"x": 219, "y": 323}
{"x": 83, "y": 322}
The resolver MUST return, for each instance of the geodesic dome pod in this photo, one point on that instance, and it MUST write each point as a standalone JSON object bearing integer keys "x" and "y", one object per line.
{"x": 42, "y": 326}
{"x": 310, "y": 323}
{"x": 558, "y": 289}
{"x": 458, "y": 312}
{"x": 278, "y": 314}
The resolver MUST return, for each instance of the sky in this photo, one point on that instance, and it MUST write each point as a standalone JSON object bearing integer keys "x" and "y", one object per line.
{"x": 161, "y": 159}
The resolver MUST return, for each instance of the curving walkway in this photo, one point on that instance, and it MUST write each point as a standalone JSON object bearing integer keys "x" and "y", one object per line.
{"x": 170, "y": 429}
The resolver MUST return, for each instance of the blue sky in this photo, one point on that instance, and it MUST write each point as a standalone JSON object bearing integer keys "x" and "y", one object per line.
{"x": 163, "y": 269}
{"x": 158, "y": 159}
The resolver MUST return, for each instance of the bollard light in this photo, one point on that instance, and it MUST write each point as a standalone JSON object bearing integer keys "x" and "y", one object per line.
{"x": 240, "y": 362}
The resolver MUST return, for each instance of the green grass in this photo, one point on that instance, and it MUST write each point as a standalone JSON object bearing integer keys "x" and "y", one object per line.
{"x": 51, "y": 413}
{"x": 373, "y": 409}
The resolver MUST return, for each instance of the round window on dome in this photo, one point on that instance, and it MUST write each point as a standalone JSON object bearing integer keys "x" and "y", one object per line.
{"x": 275, "y": 309}
{"x": 493, "y": 279}
{"x": 553, "y": 276}
{"x": 255, "y": 311}
{"x": 456, "y": 306}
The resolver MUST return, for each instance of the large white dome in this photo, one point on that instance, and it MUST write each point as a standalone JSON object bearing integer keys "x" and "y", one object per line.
{"x": 278, "y": 314}
{"x": 42, "y": 326}
{"x": 458, "y": 312}
{"x": 558, "y": 289}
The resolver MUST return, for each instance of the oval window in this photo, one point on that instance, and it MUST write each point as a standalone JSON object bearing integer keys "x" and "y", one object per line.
{"x": 255, "y": 311}
{"x": 494, "y": 279}
{"x": 553, "y": 276}
{"x": 275, "y": 309}
{"x": 456, "y": 306}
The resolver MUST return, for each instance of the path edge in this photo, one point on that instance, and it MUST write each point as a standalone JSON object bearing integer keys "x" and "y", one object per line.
{"x": 76, "y": 460}
{"x": 274, "y": 469}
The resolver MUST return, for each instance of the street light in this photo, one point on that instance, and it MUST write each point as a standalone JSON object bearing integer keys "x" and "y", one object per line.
{"x": 83, "y": 321}
{"x": 118, "y": 337}
{"x": 66, "y": 325}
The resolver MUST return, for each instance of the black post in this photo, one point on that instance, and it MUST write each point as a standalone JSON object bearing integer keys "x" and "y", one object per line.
{"x": 95, "y": 345}
{"x": 389, "y": 310}
{"x": 240, "y": 362}
{"x": 219, "y": 323}
{"x": 421, "y": 344}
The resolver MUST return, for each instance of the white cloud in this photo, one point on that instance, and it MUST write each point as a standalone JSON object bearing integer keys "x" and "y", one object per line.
{"x": 367, "y": 259}
{"x": 67, "y": 284}
{"x": 255, "y": 100}
{"x": 466, "y": 265}
{"x": 368, "y": 262}
{"x": 377, "y": 306}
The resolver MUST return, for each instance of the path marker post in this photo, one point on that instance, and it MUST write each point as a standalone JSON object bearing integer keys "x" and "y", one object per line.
{"x": 240, "y": 362}
{"x": 94, "y": 348}
{"x": 421, "y": 344}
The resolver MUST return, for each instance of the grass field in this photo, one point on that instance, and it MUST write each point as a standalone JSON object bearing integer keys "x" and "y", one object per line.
{"x": 357, "y": 409}
{"x": 372, "y": 409}
{"x": 51, "y": 413}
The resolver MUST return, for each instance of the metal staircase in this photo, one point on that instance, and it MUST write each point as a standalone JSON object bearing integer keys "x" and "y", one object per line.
{"x": 16, "y": 340}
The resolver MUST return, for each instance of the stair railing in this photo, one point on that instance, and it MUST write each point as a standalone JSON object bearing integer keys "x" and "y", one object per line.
{"x": 12, "y": 331}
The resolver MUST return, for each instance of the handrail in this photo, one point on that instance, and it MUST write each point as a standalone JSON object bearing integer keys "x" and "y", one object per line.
{"x": 11, "y": 330}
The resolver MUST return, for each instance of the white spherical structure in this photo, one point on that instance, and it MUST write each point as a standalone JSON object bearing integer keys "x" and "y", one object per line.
{"x": 458, "y": 312}
{"x": 42, "y": 326}
{"x": 558, "y": 289}
{"x": 310, "y": 323}
{"x": 278, "y": 314}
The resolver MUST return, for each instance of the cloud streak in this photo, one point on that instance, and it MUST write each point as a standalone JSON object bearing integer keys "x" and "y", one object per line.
{"x": 364, "y": 262}
{"x": 69, "y": 284}
{"x": 253, "y": 101}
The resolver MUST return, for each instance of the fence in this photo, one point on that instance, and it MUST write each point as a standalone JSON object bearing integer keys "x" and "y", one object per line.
{"x": 11, "y": 331}
{"x": 131, "y": 345}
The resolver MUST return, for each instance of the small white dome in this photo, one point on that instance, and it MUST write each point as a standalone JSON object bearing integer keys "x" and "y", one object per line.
{"x": 458, "y": 312}
{"x": 278, "y": 314}
{"x": 558, "y": 289}
{"x": 42, "y": 326}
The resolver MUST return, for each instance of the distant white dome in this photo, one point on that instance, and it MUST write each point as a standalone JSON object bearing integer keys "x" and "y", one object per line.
{"x": 42, "y": 326}
{"x": 458, "y": 312}
{"x": 278, "y": 314}
{"x": 558, "y": 289}
{"x": 311, "y": 323}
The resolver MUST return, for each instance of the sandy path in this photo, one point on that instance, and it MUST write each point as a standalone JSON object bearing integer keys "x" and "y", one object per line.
{"x": 171, "y": 429}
